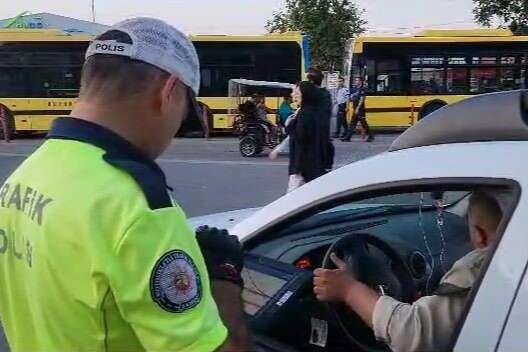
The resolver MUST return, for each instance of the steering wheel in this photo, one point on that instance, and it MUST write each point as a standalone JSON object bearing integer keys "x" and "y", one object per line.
{"x": 376, "y": 264}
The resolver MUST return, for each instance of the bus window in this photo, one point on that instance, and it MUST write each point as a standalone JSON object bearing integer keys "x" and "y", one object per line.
{"x": 12, "y": 83}
{"x": 510, "y": 78}
{"x": 457, "y": 61}
{"x": 40, "y": 70}
{"x": 56, "y": 82}
{"x": 524, "y": 72}
{"x": 484, "y": 60}
{"x": 483, "y": 80}
{"x": 389, "y": 77}
{"x": 427, "y": 80}
{"x": 206, "y": 79}
{"x": 368, "y": 72}
{"x": 427, "y": 75}
{"x": 264, "y": 61}
{"x": 457, "y": 80}
{"x": 427, "y": 61}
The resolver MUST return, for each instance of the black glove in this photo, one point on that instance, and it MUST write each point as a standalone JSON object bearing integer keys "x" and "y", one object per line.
{"x": 222, "y": 253}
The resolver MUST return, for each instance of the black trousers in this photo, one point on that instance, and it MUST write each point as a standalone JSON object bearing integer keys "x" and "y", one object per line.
{"x": 341, "y": 121}
{"x": 353, "y": 124}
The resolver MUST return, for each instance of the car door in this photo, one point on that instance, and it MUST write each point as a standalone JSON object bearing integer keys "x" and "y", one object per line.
{"x": 510, "y": 263}
{"x": 513, "y": 337}
{"x": 499, "y": 309}
{"x": 438, "y": 163}
{"x": 486, "y": 317}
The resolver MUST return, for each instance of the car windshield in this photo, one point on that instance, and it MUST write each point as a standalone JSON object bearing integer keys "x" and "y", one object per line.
{"x": 425, "y": 199}
{"x": 382, "y": 205}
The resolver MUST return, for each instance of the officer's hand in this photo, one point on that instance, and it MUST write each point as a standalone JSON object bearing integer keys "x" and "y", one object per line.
{"x": 333, "y": 285}
{"x": 222, "y": 253}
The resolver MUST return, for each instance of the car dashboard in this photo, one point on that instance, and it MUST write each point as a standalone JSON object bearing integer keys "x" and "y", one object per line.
{"x": 427, "y": 244}
{"x": 278, "y": 294}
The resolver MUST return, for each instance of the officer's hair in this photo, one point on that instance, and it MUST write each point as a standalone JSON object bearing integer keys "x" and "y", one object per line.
{"x": 485, "y": 209}
{"x": 112, "y": 77}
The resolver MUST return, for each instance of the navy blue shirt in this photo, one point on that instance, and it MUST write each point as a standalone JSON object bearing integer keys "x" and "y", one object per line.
{"x": 356, "y": 98}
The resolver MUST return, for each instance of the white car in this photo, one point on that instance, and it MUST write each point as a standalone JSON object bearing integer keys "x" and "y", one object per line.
{"x": 409, "y": 204}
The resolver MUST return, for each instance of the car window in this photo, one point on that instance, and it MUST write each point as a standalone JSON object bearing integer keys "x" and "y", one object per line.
{"x": 427, "y": 228}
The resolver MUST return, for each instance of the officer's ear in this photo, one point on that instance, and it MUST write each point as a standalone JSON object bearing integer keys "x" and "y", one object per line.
{"x": 168, "y": 91}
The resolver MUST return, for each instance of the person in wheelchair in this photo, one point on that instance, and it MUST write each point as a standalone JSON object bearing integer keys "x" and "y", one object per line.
{"x": 252, "y": 114}
{"x": 262, "y": 112}
{"x": 429, "y": 323}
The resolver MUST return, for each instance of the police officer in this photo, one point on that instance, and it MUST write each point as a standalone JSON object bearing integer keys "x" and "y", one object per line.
{"x": 428, "y": 323}
{"x": 94, "y": 254}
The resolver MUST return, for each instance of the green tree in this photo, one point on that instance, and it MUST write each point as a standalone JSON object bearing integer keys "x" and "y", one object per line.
{"x": 329, "y": 23}
{"x": 513, "y": 13}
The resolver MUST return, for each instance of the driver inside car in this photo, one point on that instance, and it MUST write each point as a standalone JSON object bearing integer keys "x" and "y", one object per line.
{"x": 428, "y": 323}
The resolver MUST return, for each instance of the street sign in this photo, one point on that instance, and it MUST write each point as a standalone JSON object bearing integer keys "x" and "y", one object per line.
{"x": 332, "y": 80}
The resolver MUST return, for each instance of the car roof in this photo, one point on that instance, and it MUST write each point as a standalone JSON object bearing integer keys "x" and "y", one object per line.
{"x": 499, "y": 116}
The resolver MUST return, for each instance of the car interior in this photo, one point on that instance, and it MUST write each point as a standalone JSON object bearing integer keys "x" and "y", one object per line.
{"x": 400, "y": 243}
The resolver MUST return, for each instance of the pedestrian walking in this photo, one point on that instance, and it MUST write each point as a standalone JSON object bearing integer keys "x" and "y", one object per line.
{"x": 306, "y": 157}
{"x": 324, "y": 105}
{"x": 97, "y": 255}
{"x": 284, "y": 145}
{"x": 342, "y": 98}
{"x": 204, "y": 120}
{"x": 3, "y": 122}
{"x": 358, "y": 101}
{"x": 316, "y": 76}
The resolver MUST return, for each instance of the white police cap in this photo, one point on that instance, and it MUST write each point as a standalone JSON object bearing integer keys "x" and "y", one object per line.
{"x": 156, "y": 43}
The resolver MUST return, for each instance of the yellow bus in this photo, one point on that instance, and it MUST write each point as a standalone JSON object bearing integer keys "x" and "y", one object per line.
{"x": 40, "y": 71}
{"x": 408, "y": 77}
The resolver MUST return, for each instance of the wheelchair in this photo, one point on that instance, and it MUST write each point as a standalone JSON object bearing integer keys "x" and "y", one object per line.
{"x": 254, "y": 133}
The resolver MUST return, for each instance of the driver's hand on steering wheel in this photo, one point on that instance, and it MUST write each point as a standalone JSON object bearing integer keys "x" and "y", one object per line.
{"x": 333, "y": 284}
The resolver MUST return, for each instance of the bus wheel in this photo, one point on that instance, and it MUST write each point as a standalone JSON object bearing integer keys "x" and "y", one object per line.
{"x": 429, "y": 108}
{"x": 249, "y": 147}
{"x": 9, "y": 123}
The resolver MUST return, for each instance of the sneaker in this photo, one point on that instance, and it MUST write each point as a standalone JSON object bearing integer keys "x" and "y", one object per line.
{"x": 370, "y": 139}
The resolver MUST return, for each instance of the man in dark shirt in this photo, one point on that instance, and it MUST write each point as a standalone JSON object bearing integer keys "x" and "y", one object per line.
{"x": 358, "y": 101}
{"x": 4, "y": 125}
{"x": 325, "y": 106}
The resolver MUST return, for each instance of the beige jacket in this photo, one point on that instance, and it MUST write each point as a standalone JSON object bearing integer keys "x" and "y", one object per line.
{"x": 428, "y": 323}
